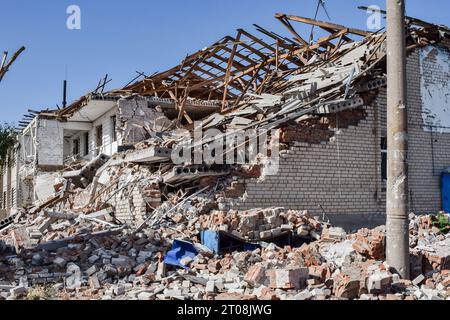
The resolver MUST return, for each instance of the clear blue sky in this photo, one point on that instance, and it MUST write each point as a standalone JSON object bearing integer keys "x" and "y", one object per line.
{"x": 121, "y": 37}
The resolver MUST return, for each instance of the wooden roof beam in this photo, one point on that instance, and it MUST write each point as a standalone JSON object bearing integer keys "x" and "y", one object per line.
{"x": 271, "y": 48}
{"x": 282, "y": 56}
{"x": 291, "y": 29}
{"x": 275, "y": 36}
{"x": 324, "y": 24}
{"x": 238, "y": 54}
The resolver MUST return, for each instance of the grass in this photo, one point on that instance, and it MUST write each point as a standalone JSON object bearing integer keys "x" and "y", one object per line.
{"x": 441, "y": 221}
{"x": 41, "y": 293}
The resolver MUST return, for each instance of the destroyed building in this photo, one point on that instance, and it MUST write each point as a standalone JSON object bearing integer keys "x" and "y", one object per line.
{"x": 108, "y": 214}
{"x": 327, "y": 98}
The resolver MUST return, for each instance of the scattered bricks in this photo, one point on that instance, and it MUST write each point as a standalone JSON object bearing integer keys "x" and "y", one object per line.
{"x": 186, "y": 261}
{"x": 314, "y": 235}
{"x": 94, "y": 283}
{"x": 304, "y": 295}
{"x": 255, "y": 275}
{"x": 91, "y": 270}
{"x": 60, "y": 262}
{"x": 333, "y": 234}
{"x": 417, "y": 281}
{"x": 303, "y": 231}
{"x": 440, "y": 258}
{"x": 141, "y": 270}
{"x": 231, "y": 297}
{"x": 93, "y": 259}
{"x": 346, "y": 287}
{"x": 265, "y": 234}
{"x": 289, "y": 278}
{"x": 429, "y": 283}
{"x": 371, "y": 243}
{"x": 267, "y": 294}
{"x": 214, "y": 266}
{"x": 391, "y": 297}
{"x": 318, "y": 273}
{"x": 162, "y": 270}
{"x": 74, "y": 280}
{"x": 446, "y": 282}
{"x": 276, "y": 232}
{"x": 145, "y": 296}
{"x": 45, "y": 225}
{"x": 122, "y": 261}
{"x": 119, "y": 290}
{"x": 287, "y": 227}
{"x": 440, "y": 287}
{"x": 379, "y": 283}
{"x": 210, "y": 287}
{"x": 178, "y": 218}
{"x": 37, "y": 259}
{"x": 401, "y": 285}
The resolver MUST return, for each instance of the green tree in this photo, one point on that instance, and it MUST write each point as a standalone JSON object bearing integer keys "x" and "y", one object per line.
{"x": 8, "y": 139}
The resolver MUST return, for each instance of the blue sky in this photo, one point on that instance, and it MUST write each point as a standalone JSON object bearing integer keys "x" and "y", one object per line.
{"x": 121, "y": 37}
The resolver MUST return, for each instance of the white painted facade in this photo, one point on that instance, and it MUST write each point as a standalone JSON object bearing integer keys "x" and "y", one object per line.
{"x": 435, "y": 88}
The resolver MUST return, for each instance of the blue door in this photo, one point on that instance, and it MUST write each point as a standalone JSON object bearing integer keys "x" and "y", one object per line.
{"x": 445, "y": 185}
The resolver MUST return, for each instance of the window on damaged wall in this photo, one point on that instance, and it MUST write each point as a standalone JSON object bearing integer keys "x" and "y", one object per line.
{"x": 86, "y": 143}
{"x": 383, "y": 147}
{"x": 113, "y": 128}
{"x": 99, "y": 139}
{"x": 76, "y": 147}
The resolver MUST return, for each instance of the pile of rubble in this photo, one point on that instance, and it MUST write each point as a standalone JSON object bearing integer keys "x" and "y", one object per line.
{"x": 261, "y": 224}
{"x": 94, "y": 260}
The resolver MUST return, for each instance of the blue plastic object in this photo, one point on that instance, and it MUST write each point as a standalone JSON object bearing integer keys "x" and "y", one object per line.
{"x": 445, "y": 190}
{"x": 211, "y": 239}
{"x": 180, "y": 249}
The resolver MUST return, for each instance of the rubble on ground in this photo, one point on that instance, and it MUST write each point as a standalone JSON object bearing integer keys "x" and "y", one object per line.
{"x": 93, "y": 260}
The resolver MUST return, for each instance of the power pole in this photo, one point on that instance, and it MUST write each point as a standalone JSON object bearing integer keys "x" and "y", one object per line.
{"x": 397, "y": 131}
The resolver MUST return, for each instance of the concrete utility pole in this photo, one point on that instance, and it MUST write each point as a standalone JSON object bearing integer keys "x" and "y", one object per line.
{"x": 397, "y": 132}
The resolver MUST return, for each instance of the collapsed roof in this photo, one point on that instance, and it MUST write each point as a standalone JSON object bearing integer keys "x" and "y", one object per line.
{"x": 276, "y": 77}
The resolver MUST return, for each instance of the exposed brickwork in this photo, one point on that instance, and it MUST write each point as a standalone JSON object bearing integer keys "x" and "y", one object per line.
{"x": 426, "y": 146}
{"x": 344, "y": 174}
{"x": 130, "y": 206}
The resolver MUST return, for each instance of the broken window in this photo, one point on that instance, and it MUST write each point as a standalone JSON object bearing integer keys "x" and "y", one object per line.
{"x": 113, "y": 128}
{"x": 383, "y": 147}
{"x": 76, "y": 147}
{"x": 86, "y": 143}
{"x": 99, "y": 138}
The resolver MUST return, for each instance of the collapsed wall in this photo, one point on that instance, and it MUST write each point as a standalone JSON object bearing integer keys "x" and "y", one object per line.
{"x": 137, "y": 119}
